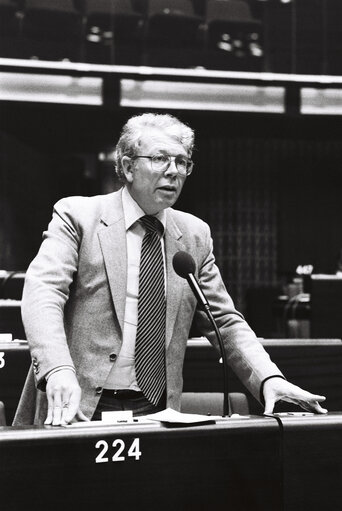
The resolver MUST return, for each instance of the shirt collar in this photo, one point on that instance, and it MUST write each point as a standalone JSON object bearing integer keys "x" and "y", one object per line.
{"x": 132, "y": 211}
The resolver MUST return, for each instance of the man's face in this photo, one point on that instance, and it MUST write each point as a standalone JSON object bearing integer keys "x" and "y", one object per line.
{"x": 152, "y": 190}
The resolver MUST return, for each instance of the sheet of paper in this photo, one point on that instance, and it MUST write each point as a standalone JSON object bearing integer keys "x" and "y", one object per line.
{"x": 173, "y": 417}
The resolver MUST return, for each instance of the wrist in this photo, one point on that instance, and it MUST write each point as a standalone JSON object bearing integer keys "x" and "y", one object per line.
{"x": 57, "y": 369}
{"x": 261, "y": 396}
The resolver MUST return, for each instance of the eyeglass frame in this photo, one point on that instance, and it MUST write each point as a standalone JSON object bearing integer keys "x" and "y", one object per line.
{"x": 187, "y": 173}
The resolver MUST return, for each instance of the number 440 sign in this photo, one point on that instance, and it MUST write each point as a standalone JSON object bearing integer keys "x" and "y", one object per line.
{"x": 120, "y": 451}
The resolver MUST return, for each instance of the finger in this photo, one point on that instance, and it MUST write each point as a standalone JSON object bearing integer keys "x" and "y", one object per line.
{"x": 50, "y": 400}
{"x": 48, "y": 419}
{"x": 319, "y": 409}
{"x": 65, "y": 404}
{"x": 313, "y": 406}
{"x": 303, "y": 398}
{"x": 65, "y": 411}
{"x": 57, "y": 408}
{"x": 318, "y": 398}
{"x": 269, "y": 405}
{"x": 73, "y": 405}
{"x": 306, "y": 396}
{"x": 80, "y": 416}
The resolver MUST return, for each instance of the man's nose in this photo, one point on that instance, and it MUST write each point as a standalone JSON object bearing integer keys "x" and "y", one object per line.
{"x": 172, "y": 168}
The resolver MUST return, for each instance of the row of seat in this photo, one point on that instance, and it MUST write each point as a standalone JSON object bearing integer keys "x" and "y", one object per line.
{"x": 163, "y": 33}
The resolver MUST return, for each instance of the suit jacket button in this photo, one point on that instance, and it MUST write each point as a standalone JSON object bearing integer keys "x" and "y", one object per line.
{"x": 98, "y": 390}
{"x": 112, "y": 357}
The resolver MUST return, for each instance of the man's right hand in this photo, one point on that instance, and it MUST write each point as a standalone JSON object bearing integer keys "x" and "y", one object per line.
{"x": 64, "y": 396}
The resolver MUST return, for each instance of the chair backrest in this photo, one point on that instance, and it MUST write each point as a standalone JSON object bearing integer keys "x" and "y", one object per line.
{"x": 2, "y": 414}
{"x": 109, "y": 6}
{"x": 50, "y": 5}
{"x": 183, "y": 7}
{"x": 11, "y": 284}
{"x": 326, "y": 305}
{"x": 238, "y": 403}
{"x": 228, "y": 10}
{"x": 202, "y": 402}
{"x": 212, "y": 403}
{"x": 8, "y": 3}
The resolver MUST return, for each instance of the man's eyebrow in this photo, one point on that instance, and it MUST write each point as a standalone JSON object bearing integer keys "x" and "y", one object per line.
{"x": 163, "y": 151}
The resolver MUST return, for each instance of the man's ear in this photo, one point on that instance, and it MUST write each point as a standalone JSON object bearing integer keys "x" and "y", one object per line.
{"x": 128, "y": 168}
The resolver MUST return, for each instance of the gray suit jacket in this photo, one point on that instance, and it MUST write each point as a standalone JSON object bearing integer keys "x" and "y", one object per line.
{"x": 74, "y": 299}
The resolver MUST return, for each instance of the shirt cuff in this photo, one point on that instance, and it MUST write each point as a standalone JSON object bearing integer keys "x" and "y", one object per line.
{"x": 59, "y": 368}
{"x": 261, "y": 397}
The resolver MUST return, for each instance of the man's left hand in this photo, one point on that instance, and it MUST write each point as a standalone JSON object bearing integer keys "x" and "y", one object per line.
{"x": 276, "y": 389}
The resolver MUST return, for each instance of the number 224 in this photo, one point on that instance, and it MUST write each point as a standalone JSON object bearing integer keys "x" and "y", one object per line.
{"x": 133, "y": 451}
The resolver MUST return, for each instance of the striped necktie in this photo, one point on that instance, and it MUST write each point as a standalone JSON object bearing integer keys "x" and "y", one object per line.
{"x": 150, "y": 338}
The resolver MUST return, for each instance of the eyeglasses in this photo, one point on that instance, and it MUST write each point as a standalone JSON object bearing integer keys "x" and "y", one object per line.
{"x": 161, "y": 162}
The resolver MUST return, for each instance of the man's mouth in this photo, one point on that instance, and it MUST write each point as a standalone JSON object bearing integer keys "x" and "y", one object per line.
{"x": 168, "y": 188}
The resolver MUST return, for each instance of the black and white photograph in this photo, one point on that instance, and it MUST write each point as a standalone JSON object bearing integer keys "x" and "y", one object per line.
{"x": 171, "y": 255}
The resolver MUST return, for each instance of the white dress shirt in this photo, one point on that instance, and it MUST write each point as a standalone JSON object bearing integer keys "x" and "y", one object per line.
{"x": 122, "y": 376}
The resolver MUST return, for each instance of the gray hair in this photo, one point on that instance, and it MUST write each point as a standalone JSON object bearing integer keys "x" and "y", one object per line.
{"x": 130, "y": 137}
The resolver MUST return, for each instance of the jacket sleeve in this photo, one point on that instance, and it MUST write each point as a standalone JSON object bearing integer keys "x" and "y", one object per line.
{"x": 46, "y": 292}
{"x": 245, "y": 354}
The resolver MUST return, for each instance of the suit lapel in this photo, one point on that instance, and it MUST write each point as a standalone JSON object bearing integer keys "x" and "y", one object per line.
{"x": 112, "y": 238}
{"x": 174, "y": 283}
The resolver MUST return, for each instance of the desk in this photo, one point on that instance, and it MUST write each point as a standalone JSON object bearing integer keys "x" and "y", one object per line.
{"x": 286, "y": 463}
{"x": 234, "y": 465}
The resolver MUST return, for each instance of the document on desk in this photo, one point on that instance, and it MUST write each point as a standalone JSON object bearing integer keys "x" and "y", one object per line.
{"x": 170, "y": 417}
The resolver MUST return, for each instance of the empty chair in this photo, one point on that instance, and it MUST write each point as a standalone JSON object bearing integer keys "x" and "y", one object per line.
{"x": 10, "y": 318}
{"x": 326, "y": 298}
{"x": 309, "y": 36}
{"x": 10, "y": 21}
{"x": 212, "y": 403}
{"x": 173, "y": 34}
{"x": 113, "y": 32}
{"x": 234, "y": 37}
{"x": 11, "y": 284}
{"x": 2, "y": 414}
{"x": 238, "y": 403}
{"x": 279, "y": 36}
{"x": 52, "y": 30}
{"x": 333, "y": 14}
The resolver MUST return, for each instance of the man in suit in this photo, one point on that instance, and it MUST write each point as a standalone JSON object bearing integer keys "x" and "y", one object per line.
{"x": 82, "y": 308}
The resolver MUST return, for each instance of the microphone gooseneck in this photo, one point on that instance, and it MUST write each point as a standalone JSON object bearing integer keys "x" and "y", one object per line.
{"x": 185, "y": 267}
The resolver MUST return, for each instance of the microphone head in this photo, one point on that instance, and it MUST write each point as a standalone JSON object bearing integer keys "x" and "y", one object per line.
{"x": 183, "y": 264}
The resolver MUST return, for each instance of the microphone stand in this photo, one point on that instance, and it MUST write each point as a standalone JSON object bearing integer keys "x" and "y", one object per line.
{"x": 224, "y": 362}
{"x": 206, "y": 307}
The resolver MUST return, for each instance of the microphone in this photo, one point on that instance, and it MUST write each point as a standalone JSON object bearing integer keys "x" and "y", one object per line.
{"x": 185, "y": 267}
